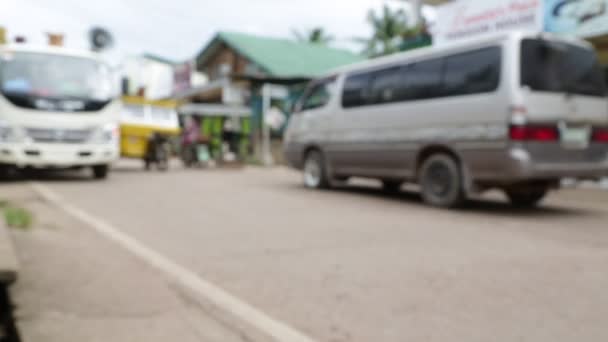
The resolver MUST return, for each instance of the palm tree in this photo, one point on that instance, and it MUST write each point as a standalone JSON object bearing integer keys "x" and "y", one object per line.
{"x": 388, "y": 29}
{"x": 315, "y": 36}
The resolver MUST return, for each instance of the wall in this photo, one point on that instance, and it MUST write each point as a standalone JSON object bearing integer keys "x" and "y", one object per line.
{"x": 227, "y": 57}
{"x": 155, "y": 77}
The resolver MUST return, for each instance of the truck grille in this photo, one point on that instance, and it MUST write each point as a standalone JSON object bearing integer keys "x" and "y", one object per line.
{"x": 68, "y": 136}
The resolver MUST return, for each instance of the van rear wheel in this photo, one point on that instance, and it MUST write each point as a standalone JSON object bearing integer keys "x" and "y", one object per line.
{"x": 315, "y": 174}
{"x": 526, "y": 198}
{"x": 441, "y": 182}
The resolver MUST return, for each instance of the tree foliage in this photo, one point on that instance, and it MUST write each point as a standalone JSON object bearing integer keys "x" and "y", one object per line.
{"x": 316, "y": 35}
{"x": 388, "y": 28}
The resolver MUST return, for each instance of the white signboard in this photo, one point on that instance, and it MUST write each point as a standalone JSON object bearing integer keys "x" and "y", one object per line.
{"x": 581, "y": 18}
{"x": 465, "y": 19}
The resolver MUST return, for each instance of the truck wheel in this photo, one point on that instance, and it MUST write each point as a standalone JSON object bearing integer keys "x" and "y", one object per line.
{"x": 526, "y": 198}
{"x": 442, "y": 182}
{"x": 315, "y": 175}
{"x": 100, "y": 171}
{"x": 5, "y": 172}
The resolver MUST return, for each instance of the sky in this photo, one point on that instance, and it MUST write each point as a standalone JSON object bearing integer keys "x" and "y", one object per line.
{"x": 178, "y": 29}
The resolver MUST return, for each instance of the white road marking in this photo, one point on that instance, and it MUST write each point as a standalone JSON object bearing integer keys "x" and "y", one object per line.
{"x": 222, "y": 299}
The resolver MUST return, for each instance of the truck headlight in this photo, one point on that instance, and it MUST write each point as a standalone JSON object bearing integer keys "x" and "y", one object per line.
{"x": 105, "y": 134}
{"x": 9, "y": 133}
{"x": 5, "y": 133}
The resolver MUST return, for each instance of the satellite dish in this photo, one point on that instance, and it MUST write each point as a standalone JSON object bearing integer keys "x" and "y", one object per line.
{"x": 100, "y": 39}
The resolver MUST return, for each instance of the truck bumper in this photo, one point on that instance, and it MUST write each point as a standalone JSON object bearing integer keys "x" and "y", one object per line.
{"x": 57, "y": 155}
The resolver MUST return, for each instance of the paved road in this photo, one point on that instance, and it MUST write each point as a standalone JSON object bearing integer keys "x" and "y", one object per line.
{"x": 75, "y": 285}
{"x": 358, "y": 265}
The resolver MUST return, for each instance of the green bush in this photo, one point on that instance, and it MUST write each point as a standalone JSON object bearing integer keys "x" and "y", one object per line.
{"x": 18, "y": 217}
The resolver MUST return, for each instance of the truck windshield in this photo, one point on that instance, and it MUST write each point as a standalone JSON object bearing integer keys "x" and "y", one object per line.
{"x": 560, "y": 67}
{"x": 54, "y": 82}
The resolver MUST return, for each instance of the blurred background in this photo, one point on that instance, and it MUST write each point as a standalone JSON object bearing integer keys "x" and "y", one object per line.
{"x": 225, "y": 52}
{"x": 199, "y": 231}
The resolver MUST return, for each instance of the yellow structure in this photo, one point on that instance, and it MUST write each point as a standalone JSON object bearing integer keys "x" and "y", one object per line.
{"x": 140, "y": 119}
{"x": 2, "y": 35}
{"x": 601, "y": 45}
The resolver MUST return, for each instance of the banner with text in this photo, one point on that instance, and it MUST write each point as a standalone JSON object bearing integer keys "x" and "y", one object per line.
{"x": 467, "y": 19}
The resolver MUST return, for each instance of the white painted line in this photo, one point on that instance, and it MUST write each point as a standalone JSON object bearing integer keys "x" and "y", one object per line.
{"x": 222, "y": 299}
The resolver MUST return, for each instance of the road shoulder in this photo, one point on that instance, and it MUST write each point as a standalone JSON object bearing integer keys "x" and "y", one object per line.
{"x": 74, "y": 285}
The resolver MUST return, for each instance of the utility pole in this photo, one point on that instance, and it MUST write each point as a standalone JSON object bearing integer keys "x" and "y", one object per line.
{"x": 267, "y": 159}
{"x": 416, "y": 10}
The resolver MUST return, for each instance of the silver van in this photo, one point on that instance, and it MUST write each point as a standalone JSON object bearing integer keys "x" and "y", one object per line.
{"x": 517, "y": 111}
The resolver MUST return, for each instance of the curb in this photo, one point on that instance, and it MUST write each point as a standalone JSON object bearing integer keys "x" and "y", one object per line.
{"x": 9, "y": 266}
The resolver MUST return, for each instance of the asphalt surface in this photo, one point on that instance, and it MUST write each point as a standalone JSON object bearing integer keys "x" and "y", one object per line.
{"x": 356, "y": 264}
{"x": 74, "y": 285}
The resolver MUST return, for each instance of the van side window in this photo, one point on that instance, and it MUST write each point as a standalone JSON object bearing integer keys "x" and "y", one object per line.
{"x": 383, "y": 86}
{"x": 420, "y": 81}
{"x": 472, "y": 72}
{"x": 460, "y": 74}
{"x": 356, "y": 91}
{"x": 319, "y": 95}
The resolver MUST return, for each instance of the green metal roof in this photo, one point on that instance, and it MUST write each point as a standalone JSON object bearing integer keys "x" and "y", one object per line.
{"x": 159, "y": 59}
{"x": 283, "y": 57}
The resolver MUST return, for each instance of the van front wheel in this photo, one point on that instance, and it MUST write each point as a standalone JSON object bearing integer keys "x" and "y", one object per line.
{"x": 441, "y": 182}
{"x": 315, "y": 175}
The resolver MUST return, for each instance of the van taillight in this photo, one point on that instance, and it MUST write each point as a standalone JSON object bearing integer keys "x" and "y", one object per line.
{"x": 533, "y": 133}
{"x": 600, "y": 135}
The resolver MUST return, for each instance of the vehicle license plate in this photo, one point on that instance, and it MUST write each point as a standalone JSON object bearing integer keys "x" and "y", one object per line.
{"x": 575, "y": 137}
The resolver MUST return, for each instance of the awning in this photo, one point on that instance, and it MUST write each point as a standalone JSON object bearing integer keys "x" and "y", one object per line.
{"x": 210, "y": 110}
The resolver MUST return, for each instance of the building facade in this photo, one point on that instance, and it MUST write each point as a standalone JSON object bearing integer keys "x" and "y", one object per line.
{"x": 240, "y": 66}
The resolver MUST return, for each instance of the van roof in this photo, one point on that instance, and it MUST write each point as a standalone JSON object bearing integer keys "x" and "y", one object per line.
{"x": 453, "y": 47}
{"x": 53, "y": 50}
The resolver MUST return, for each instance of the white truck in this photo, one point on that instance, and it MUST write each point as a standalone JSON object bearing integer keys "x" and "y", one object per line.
{"x": 58, "y": 109}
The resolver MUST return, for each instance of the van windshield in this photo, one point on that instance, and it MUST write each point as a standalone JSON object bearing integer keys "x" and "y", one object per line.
{"x": 560, "y": 67}
{"x": 54, "y": 82}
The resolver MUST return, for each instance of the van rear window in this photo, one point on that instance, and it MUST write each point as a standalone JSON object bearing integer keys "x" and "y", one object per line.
{"x": 558, "y": 67}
